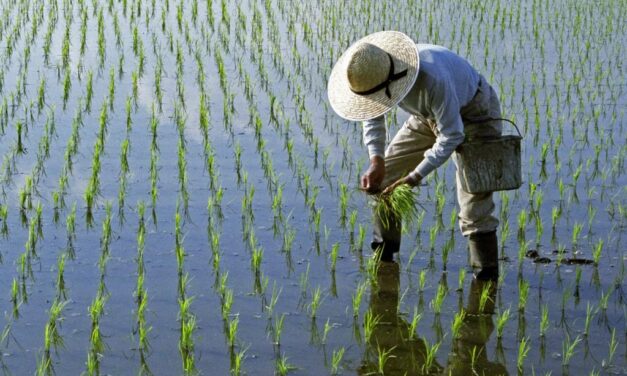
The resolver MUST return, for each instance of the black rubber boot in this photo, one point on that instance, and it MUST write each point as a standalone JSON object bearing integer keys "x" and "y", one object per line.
{"x": 386, "y": 238}
{"x": 484, "y": 255}
{"x": 385, "y": 250}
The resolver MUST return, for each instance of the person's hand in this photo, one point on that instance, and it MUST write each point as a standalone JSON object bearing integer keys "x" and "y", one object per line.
{"x": 411, "y": 180}
{"x": 373, "y": 177}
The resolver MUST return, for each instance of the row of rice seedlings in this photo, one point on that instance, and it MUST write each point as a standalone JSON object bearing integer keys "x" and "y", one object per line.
{"x": 52, "y": 335}
{"x": 93, "y": 184}
{"x": 141, "y": 295}
{"x": 96, "y": 309}
{"x": 186, "y": 317}
{"x": 154, "y": 160}
{"x": 180, "y": 120}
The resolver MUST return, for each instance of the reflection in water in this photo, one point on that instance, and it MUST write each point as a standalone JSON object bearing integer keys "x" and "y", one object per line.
{"x": 391, "y": 334}
{"x": 469, "y": 353}
{"x": 405, "y": 356}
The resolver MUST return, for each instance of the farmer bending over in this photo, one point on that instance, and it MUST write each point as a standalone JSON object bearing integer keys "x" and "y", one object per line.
{"x": 446, "y": 99}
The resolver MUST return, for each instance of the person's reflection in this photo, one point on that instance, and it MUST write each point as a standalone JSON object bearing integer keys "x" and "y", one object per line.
{"x": 392, "y": 333}
{"x": 469, "y": 354}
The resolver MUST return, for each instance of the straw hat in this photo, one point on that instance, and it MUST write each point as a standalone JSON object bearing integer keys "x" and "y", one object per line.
{"x": 373, "y": 75}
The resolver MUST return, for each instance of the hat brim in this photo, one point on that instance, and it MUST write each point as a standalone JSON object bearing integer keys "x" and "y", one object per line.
{"x": 358, "y": 107}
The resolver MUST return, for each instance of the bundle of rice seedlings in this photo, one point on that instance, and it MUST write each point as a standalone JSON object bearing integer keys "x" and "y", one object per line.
{"x": 399, "y": 204}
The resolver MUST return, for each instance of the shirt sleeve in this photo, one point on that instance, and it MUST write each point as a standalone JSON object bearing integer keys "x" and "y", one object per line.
{"x": 444, "y": 106}
{"x": 374, "y": 136}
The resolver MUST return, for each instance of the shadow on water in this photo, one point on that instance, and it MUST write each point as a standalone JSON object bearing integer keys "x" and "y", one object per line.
{"x": 391, "y": 335}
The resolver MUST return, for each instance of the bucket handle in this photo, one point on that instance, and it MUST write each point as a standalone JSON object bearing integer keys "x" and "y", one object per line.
{"x": 488, "y": 118}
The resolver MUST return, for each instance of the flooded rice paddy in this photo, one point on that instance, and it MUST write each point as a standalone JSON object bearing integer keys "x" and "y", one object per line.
{"x": 177, "y": 197}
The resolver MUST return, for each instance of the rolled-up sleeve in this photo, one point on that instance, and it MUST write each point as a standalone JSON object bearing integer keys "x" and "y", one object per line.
{"x": 374, "y": 136}
{"x": 445, "y": 108}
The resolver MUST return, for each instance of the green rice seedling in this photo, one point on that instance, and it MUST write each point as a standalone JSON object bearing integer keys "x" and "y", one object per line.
{"x": 458, "y": 321}
{"x": 370, "y": 323}
{"x": 357, "y": 297}
{"x": 67, "y": 86}
{"x": 589, "y": 315}
{"x": 592, "y": 211}
{"x": 613, "y": 346}
{"x": 15, "y": 297}
{"x": 135, "y": 85}
{"x": 288, "y": 239}
{"x": 522, "y": 249}
{"x": 398, "y": 204}
{"x": 41, "y": 94}
{"x": 19, "y": 127}
{"x": 44, "y": 364}
{"x": 39, "y": 220}
{"x": 433, "y": 234}
{"x": 316, "y": 300}
{"x": 523, "y": 292}
{"x": 522, "y": 223}
{"x": 382, "y": 358}
{"x": 577, "y": 227}
{"x": 603, "y": 301}
{"x": 352, "y": 221}
{"x": 501, "y": 320}
{"x": 460, "y": 279}
{"x": 105, "y": 238}
{"x": 304, "y": 281}
{"x": 325, "y": 332}
{"x": 430, "y": 356}
{"x": 561, "y": 251}
{"x": 178, "y": 238}
{"x": 436, "y": 303}
{"x": 237, "y": 360}
{"x": 111, "y": 87}
{"x": 186, "y": 344}
{"x": 448, "y": 247}
{"x": 31, "y": 242}
{"x": 484, "y": 297}
{"x": 568, "y": 349}
{"x": 274, "y": 299}
{"x": 544, "y": 320}
{"x": 523, "y": 349}
{"x": 422, "y": 280}
{"x": 453, "y": 219}
{"x": 361, "y": 236}
{"x": 336, "y": 359}
{"x": 278, "y": 329}
{"x": 598, "y": 249}
{"x": 227, "y": 302}
{"x": 539, "y": 229}
{"x": 343, "y": 201}
{"x": 257, "y": 257}
{"x": 231, "y": 333}
{"x": 89, "y": 90}
{"x": 334, "y": 252}
{"x": 96, "y": 309}
{"x": 52, "y": 335}
{"x": 61, "y": 293}
{"x": 413, "y": 325}
{"x": 372, "y": 268}
{"x": 283, "y": 367}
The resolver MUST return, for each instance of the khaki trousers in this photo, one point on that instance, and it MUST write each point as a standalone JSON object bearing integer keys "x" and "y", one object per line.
{"x": 417, "y": 135}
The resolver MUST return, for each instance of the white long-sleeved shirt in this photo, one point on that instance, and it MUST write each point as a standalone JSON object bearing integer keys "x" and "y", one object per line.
{"x": 446, "y": 82}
